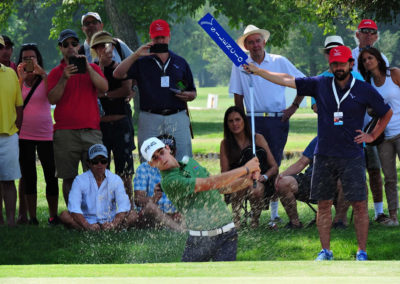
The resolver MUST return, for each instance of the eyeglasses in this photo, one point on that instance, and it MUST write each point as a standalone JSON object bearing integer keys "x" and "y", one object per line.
{"x": 368, "y": 31}
{"x": 101, "y": 160}
{"x": 65, "y": 44}
{"x": 88, "y": 23}
{"x": 29, "y": 44}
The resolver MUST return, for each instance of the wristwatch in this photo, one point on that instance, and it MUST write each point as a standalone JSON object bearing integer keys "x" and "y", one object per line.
{"x": 265, "y": 177}
{"x": 105, "y": 94}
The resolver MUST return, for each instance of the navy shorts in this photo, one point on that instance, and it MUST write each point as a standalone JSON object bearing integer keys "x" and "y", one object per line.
{"x": 303, "y": 187}
{"x": 327, "y": 171}
{"x": 118, "y": 138}
{"x": 222, "y": 247}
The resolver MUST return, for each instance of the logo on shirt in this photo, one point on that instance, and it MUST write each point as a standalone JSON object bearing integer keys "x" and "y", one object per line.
{"x": 176, "y": 66}
{"x": 352, "y": 96}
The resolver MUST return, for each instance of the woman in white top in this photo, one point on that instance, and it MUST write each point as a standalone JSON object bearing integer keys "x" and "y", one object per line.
{"x": 387, "y": 82}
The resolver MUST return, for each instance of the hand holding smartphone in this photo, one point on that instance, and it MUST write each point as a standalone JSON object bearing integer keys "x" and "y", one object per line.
{"x": 29, "y": 65}
{"x": 79, "y": 62}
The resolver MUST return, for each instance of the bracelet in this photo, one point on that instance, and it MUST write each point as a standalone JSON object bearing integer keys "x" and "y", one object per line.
{"x": 247, "y": 171}
{"x": 265, "y": 177}
{"x": 296, "y": 104}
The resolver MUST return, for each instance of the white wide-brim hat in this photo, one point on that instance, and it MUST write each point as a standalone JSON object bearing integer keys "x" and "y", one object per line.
{"x": 331, "y": 42}
{"x": 250, "y": 30}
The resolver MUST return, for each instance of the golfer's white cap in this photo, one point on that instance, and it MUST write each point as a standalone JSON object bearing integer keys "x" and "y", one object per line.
{"x": 149, "y": 146}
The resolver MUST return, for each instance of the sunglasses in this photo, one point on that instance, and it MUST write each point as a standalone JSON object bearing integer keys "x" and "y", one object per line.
{"x": 65, "y": 44}
{"x": 368, "y": 31}
{"x": 101, "y": 160}
{"x": 88, "y": 23}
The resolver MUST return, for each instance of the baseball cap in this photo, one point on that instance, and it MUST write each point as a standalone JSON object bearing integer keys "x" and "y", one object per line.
{"x": 67, "y": 34}
{"x": 91, "y": 14}
{"x": 97, "y": 150}
{"x": 367, "y": 24}
{"x": 340, "y": 54}
{"x": 2, "y": 41}
{"x": 149, "y": 146}
{"x": 7, "y": 41}
{"x": 159, "y": 28}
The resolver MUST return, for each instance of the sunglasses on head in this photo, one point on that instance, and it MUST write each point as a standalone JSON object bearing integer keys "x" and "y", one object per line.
{"x": 29, "y": 44}
{"x": 65, "y": 44}
{"x": 103, "y": 161}
{"x": 368, "y": 31}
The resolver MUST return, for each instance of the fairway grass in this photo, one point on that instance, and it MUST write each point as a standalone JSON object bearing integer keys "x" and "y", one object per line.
{"x": 210, "y": 272}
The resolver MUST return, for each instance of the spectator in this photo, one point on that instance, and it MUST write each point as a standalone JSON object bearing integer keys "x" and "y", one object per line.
{"x": 271, "y": 115}
{"x": 98, "y": 200}
{"x": 116, "y": 125}
{"x": 339, "y": 152}
{"x": 6, "y": 53}
{"x": 387, "y": 82}
{"x": 236, "y": 143}
{"x": 165, "y": 85}
{"x": 212, "y": 234}
{"x": 36, "y": 134}
{"x": 10, "y": 122}
{"x": 76, "y": 113}
{"x": 155, "y": 209}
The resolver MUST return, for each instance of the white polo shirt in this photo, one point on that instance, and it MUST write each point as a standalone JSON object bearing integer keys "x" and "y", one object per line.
{"x": 98, "y": 205}
{"x": 268, "y": 97}
{"x": 356, "y": 52}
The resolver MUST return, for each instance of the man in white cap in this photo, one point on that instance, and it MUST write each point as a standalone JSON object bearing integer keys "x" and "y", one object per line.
{"x": 341, "y": 102}
{"x": 98, "y": 200}
{"x": 91, "y": 24}
{"x": 271, "y": 115}
{"x": 10, "y": 122}
{"x": 196, "y": 194}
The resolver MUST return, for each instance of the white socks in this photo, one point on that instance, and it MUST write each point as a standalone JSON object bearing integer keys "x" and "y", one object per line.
{"x": 274, "y": 209}
{"x": 378, "y": 206}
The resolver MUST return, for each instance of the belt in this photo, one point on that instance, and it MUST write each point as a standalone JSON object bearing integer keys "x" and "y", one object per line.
{"x": 214, "y": 232}
{"x": 267, "y": 114}
{"x": 163, "y": 111}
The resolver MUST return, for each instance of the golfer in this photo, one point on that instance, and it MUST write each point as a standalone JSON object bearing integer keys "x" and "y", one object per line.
{"x": 212, "y": 234}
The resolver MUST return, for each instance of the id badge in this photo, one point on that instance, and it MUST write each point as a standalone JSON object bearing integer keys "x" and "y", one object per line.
{"x": 165, "y": 82}
{"x": 338, "y": 118}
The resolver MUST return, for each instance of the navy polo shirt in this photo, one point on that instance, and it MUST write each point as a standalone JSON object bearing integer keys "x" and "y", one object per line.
{"x": 338, "y": 140}
{"x": 148, "y": 75}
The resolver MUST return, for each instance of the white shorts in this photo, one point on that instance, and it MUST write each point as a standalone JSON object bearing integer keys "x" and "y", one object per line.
{"x": 9, "y": 157}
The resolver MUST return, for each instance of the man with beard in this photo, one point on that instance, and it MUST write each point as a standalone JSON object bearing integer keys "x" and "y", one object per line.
{"x": 341, "y": 102}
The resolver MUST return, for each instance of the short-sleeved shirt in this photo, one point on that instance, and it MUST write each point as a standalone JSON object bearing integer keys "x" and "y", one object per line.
{"x": 37, "y": 123}
{"x": 148, "y": 75}
{"x": 338, "y": 140}
{"x": 146, "y": 178}
{"x": 309, "y": 153}
{"x": 202, "y": 210}
{"x": 268, "y": 97}
{"x": 98, "y": 205}
{"x": 10, "y": 97}
{"x": 77, "y": 108}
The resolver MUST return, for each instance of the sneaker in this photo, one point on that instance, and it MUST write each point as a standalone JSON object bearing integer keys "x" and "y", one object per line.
{"x": 277, "y": 219}
{"x": 382, "y": 218}
{"x": 292, "y": 226}
{"x": 34, "y": 222}
{"x": 392, "y": 223}
{"x": 324, "y": 254}
{"x": 361, "y": 255}
{"x": 339, "y": 225}
{"x": 53, "y": 221}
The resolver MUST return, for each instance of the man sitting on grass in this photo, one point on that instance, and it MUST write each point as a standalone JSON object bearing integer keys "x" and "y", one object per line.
{"x": 212, "y": 234}
{"x": 98, "y": 200}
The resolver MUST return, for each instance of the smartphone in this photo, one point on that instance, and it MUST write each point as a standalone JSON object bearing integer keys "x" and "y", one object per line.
{"x": 159, "y": 48}
{"x": 79, "y": 62}
{"x": 29, "y": 65}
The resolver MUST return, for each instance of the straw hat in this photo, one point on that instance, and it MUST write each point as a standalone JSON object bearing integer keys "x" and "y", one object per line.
{"x": 331, "y": 42}
{"x": 250, "y": 30}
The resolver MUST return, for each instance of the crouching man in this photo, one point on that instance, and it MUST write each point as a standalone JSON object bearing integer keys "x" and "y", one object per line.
{"x": 98, "y": 200}
{"x": 196, "y": 194}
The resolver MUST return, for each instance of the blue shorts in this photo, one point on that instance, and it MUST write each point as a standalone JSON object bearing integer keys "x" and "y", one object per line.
{"x": 218, "y": 248}
{"x": 327, "y": 171}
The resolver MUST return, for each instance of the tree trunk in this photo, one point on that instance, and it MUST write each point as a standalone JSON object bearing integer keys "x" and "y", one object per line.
{"x": 122, "y": 24}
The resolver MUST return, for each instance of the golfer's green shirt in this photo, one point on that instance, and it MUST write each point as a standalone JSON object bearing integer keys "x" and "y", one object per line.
{"x": 202, "y": 210}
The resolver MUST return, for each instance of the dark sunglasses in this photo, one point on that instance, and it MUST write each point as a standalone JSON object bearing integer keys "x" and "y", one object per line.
{"x": 65, "y": 44}
{"x": 368, "y": 31}
{"x": 101, "y": 160}
{"x": 88, "y": 23}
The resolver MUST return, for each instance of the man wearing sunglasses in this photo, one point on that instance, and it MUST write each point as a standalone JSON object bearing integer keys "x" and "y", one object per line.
{"x": 98, "y": 200}
{"x": 76, "y": 114}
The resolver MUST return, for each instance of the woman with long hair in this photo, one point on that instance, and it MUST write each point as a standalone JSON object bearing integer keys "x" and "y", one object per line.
{"x": 387, "y": 82}
{"x": 236, "y": 149}
{"x": 36, "y": 135}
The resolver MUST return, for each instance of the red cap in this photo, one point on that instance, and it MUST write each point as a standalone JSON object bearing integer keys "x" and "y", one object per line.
{"x": 367, "y": 24}
{"x": 159, "y": 28}
{"x": 340, "y": 54}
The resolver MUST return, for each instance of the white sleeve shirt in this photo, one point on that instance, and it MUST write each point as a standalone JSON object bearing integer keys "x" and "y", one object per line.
{"x": 98, "y": 205}
{"x": 268, "y": 97}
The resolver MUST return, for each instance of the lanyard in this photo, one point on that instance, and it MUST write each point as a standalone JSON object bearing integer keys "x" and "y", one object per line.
{"x": 162, "y": 67}
{"x": 344, "y": 96}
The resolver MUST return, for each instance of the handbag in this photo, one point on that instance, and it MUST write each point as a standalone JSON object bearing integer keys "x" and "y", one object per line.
{"x": 368, "y": 129}
{"x": 28, "y": 97}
